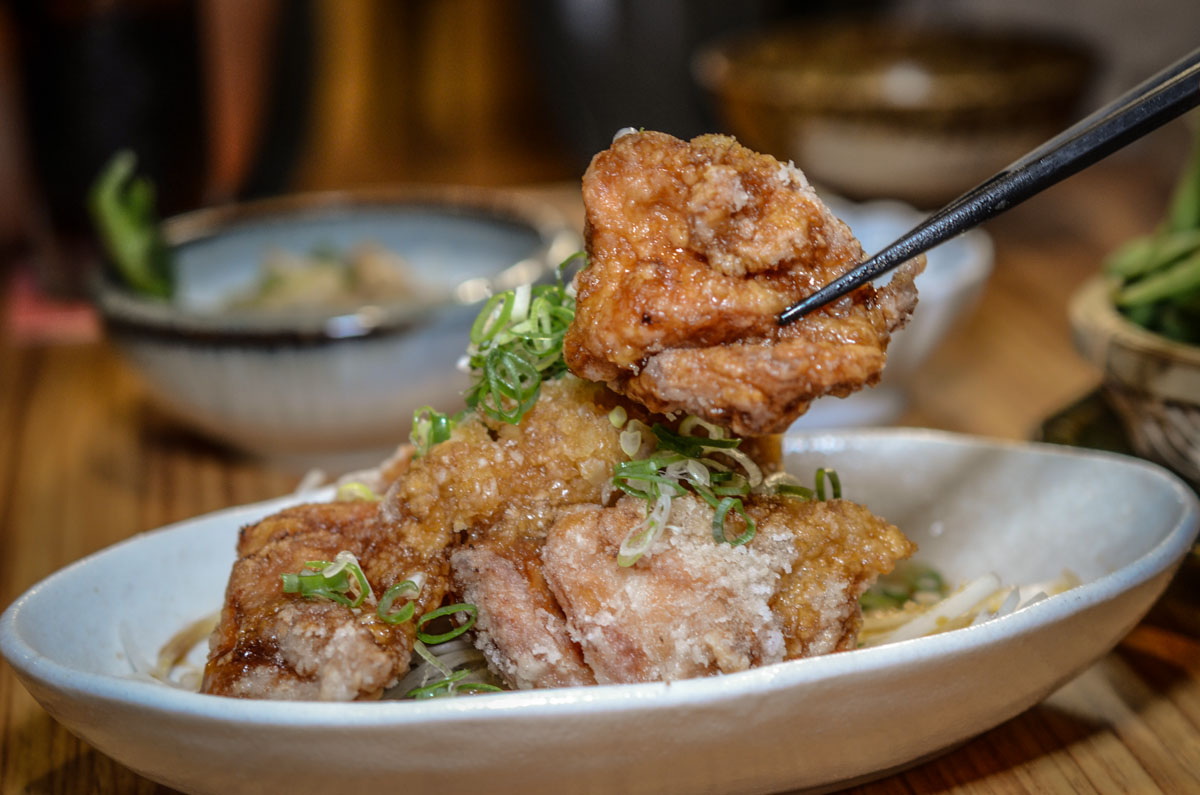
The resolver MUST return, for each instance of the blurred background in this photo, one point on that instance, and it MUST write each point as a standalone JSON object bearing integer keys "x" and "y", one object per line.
{"x": 226, "y": 100}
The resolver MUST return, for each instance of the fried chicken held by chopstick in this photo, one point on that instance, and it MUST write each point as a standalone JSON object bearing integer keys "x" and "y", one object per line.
{"x": 694, "y": 249}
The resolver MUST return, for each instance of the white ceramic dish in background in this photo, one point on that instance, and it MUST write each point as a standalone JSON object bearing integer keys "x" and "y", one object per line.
{"x": 955, "y": 275}
{"x": 306, "y": 385}
{"x": 1026, "y": 512}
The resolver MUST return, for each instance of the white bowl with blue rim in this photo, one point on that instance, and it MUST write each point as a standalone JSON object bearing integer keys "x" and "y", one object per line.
{"x": 307, "y": 385}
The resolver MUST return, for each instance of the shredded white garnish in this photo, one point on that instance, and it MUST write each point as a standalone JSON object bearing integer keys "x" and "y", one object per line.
{"x": 171, "y": 667}
{"x": 980, "y": 600}
{"x": 432, "y": 664}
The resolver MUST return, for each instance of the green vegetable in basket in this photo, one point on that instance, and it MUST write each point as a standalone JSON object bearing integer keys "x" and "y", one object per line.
{"x": 1157, "y": 277}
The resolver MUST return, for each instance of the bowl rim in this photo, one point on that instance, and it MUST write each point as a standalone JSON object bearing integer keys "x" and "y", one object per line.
{"x": 126, "y": 313}
{"x": 1099, "y": 327}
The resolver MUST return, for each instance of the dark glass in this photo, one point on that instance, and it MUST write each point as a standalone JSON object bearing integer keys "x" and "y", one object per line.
{"x": 98, "y": 77}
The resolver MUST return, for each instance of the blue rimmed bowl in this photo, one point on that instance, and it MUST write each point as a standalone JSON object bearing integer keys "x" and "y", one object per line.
{"x": 308, "y": 384}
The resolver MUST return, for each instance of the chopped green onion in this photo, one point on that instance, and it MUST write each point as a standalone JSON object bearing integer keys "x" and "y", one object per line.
{"x": 401, "y": 590}
{"x": 722, "y": 510}
{"x": 510, "y": 387}
{"x": 431, "y": 658}
{"x": 690, "y": 446}
{"x": 431, "y": 427}
{"x": 643, "y": 535}
{"x": 314, "y": 585}
{"x": 479, "y": 687}
{"x": 438, "y": 688}
{"x": 792, "y": 490}
{"x": 355, "y": 491}
{"x": 686, "y": 459}
{"x": 452, "y": 685}
{"x": 448, "y": 610}
{"x": 492, "y": 317}
{"x": 330, "y": 580}
{"x": 834, "y": 481}
{"x": 632, "y": 439}
{"x": 618, "y": 416}
{"x": 516, "y": 344}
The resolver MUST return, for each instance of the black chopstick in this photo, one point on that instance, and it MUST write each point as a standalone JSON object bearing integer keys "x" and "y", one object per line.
{"x": 1142, "y": 109}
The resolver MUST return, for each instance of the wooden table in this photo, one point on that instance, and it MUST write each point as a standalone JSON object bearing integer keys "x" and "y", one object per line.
{"x": 84, "y": 462}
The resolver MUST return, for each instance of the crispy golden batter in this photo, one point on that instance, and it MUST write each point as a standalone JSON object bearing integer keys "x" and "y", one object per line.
{"x": 269, "y": 644}
{"x": 694, "y": 250}
{"x": 694, "y": 607}
{"x": 493, "y": 473}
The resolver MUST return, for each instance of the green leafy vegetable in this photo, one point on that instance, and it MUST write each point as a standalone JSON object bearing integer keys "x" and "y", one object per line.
{"x": 1157, "y": 277}
{"x": 122, "y": 208}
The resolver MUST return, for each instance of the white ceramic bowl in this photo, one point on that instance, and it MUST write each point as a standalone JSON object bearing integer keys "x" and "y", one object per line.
{"x": 304, "y": 385}
{"x": 955, "y": 275}
{"x": 1025, "y": 512}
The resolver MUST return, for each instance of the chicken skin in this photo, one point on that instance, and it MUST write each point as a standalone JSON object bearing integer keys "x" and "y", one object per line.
{"x": 694, "y": 249}
{"x": 269, "y": 644}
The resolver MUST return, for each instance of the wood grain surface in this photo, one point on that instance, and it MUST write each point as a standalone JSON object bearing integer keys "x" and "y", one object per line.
{"x": 86, "y": 461}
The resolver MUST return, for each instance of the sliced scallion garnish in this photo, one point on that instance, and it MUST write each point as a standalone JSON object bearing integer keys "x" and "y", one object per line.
{"x": 700, "y": 457}
{"x": 355, "y": 491}
{"x": 448, "y": 610}
{"x": 401, "y": 590}
{"x": 311, "y": 584}
{"x": 516, "y": 345}
{"x": 834, "y": 481}
{"x": 438, "y": 688}
{"x": 431, "y": 427}
{"x": 452, "y": 685}
{"x": 721, "y": 511}
{"x": 341, "y": 580}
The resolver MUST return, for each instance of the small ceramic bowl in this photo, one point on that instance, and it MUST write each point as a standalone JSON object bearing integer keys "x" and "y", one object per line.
{"x": 876, "y": 111}
{"x": 955, "y": 275}
{"x": 303, "y": 383}
{"x": 1151, "y": 381}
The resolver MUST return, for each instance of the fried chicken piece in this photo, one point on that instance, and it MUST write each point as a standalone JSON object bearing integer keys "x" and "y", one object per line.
{"x": 520, "y": 628}
{"x": 502, "y": 495}
{"x": 694, "y": 249}
{"x": 269, "y": 644}
{"x": 693, "y": 607}
{"x": 492, "y": 473}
